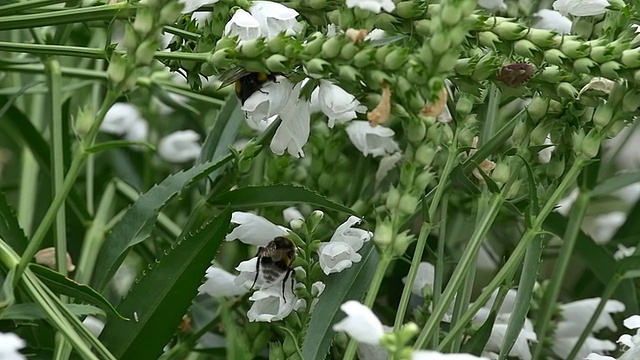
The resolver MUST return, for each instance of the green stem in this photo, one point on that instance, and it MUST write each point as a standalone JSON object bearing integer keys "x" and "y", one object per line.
{"x": 463, "y": 266}
{"x": 422, "y": 241}
{"x": 515, "y": 259}
{"x": 439, "y": 265}
{"x": 547, "y": 308}
{"x": 17, "y": 7}
{"x": 491, "y": 119}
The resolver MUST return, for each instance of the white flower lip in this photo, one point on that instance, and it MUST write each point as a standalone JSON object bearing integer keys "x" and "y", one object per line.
{"x": 342, "y": 250}
{"x": 434, "y": 355}
{"x": 10, "y": 343}
{"x": 220, "y": 283}
{"x": 253, "y": 229}
{"x": 336, "y": 103}
{"x": 125, "y": 120}
{"x": 375, "y": 141}
{"x": 180, "y": 146}
{"x": 270, "y": 305}
{"x": 264, "y": 19}
{"x": 193, "y": 5}
{"x": 372, "y": 5}
{"x": 360, "y": 323}
{"x": 581, "y": 7}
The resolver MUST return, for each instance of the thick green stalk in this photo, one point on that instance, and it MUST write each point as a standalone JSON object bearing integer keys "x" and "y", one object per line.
{"x": 13, "y": 8}
{"x": 491, "y": 120}
{"x": 422, "y": 240}
{"x": 121, "y": 10}
{"x": 569, "y": 239}
{"x": 464, "y": 265}
{"x": 439, "y": 265}
{"x": 515, "y": 260}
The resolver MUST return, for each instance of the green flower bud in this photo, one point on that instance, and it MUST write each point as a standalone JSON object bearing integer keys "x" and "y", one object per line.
{"x": 277, "y": 63}
{"x": 552, "y": 74}
{"x": 317, "y": 67}
{"x": 331, "y": 48}
{"x": 117, "y": 69}
{"x": 541, "y": 38}
{"x": 145, "y": 51}
{"x": 402, "y": 242}
{"x": 169, "y": 12}
{"x": 636, "y": 76}
{"x": 349, "y": 74}
{"x": 617, "y": 94}
{"x": 457, "y": 34}
{"x": 525, "y": 48}
{"x": 361, "y": 14}
{"x": 143, "y": 22}
{"x": 423, "y": 180}
{"x": 566, "y": 90}
{"x": 631, "y": 58}
{"x": 382, "y": 52}
{"x": 393, "y": 199}
{"x": 631, "y": 101}
{"x": 601, "y": 54}
{"x": 575, "y": 49}
{"x": 314, "y": 45}
{"x": 403, "y": 86}
{"x": 555, "y": 107}
{"x": 584, "y": 65}
{"x": 314, "y": 220}
{"x": 130, "y": 41}
{"x": 520, "y": 133}
{"x": 582, "y": 26}
{"x": 510, "y": 31}
{"x": 422, "y": 27}
{"x": 83, "y": 122}
{"x": 346, "y": 18}
{"x": 554, "y": 57}
{"x": 416, "y": 104}
{"x": 555, "y": 167}
{"x": 591, "y": 144}
{"x": 501, "y": 173}
{"x": 485, "y": 67}
{"x": 253, "y": 48}
{"x": 276, "y": 352}
{"x": 408, "y": 204}
{"x": 465, "y": 66}
{"x": 447, "y": 135}
{"x": 378, "y": 77}
{"x": 396, "y": 59}
{"x": 434, "y": 133}
{"x": 488, "y": 39}
{"x": 447, "y": 62}
{"x": 539, "y": 133}
{"x": 602, "y": 116}
{"x": 348, "y": 51}
{"x": 326, "y": 181}
{"x": 610, "y": 69}
{"x": 296, "y": 224}
{"x": 220, "y": 59}
{"x": 383, "y": 234}
{"x": 614, "y": 129}
{"x": 364, "y": 58}
{"x": 465, "y": 103}
{"x": 277, "y": 44}
{"x": 225, "y": 43}
{"x": 514, "y": 189}
{"x": 410, "y": 9}
{"x": 450, "y": 14}
{"x": 537, "y": 108}
{"x": 418, "y": 75}
{"x": 440, "y": 43}
{"x": 316, "y": 4}
{"x": 425, "y": 154}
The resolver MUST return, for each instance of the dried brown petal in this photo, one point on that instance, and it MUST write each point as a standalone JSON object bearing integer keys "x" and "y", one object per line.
{"x": 47, "y": 257}
{"x": 598, "y": 83}
{"x": 516, "y": 74}
{"x": 380, "y": 114}
{"x": 486, "y": 165}
{"x": 437, "y": 108}
{"x": 355, "y": 35}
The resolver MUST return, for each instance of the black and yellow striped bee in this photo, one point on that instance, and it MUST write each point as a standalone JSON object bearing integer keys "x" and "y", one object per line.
{"x": 274, "y": 261}
{"x": 246, "y": 82}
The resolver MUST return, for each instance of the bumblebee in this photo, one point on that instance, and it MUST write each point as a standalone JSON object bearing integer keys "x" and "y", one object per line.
{"x": 246, "y": 83}
{"x": 274, "y": 260}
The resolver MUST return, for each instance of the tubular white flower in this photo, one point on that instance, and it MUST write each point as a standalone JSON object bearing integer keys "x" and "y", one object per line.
{"x": 434, "y": 355}
{"x": 360, "y": 323}
{"x": 624, "y": 252}
{"x": 563, "y": 345}
{"x": 342, "y": 250}
{"x": 275, "y": 18}
{"x": 594, "y": 356}
{"x": 544, "y": 155}
{"x": 336, "y": 103}
{"x": 552, "y": 20}
{"x": 269, "y": 304}
{"x": 269, "y": 101}
{"x": 425, "y": 276}
{"x": 193, "y": 5}
{"x": 375, "y": 141}
{"x": 372, "y": 5}
{"x": 581, "y": 7}
{"x": 493, "y": 5}
{"x": 243, "y": 25}
{"x": 253, "y": 229}
{"x": 92, "y": 323}
{"x": 180, "y": 146}
{"x": 293, "y": 132}
{"x": 10, "y": 343}
{"x": 220, "y": 283}
{"x": 602, "y": 227}
{"x": 292, "y": 213}
{"x": 347, "y": 233}
{"x": 124, "y": 119}
{"x": 387, "y": 163}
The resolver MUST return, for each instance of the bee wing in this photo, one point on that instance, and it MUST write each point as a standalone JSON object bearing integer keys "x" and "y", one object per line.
{"x": 232, "y": 75}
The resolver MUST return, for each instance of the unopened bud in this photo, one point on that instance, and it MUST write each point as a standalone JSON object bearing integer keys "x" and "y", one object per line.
{"x": 554, "y": 57}
{"x": 520, "y": 132}
{"x": 425, "y": 154}
{"x": 393, "y": 199}
{"x": 555, "y": 167}
{"x": 408, "y": 204}
{"x": 348, "y": 51}
{"x": 383, "y": 235}
{"x": 314, "y": 219}
{"x": 566, "y": 90}
{"x": 84, "y": 120}
{"x": 349, "y": 74}
{"x": 525, "y": 48}
{"x": 541, "y": 38}
{"x": 423, "y": 27}
{"x": 277, "y": 44}
{"x": 364, "y": 58}
{"x": 117, "y": 69}
{"x": 488, "y": 39}
{"x": 501, "y": 173}
{"x": 143, "y": 22}
{"x": 396, "y": 58}
{"x": 276, "y": 63}
{"x": 170, "y": 12}
{"x": 440, "y": 43}
{"x": 402, "y": 242}
{"x": 423, "y": 180}
{"x": 602, "y": 116}
{"x": 537, "y": 108}
{"x": 514, "y": 189}
{"x": 296, "y": 224}
{"x": 464, "y": 105}
{"x": 602, "y": 54}
{"x": 220, "y": 59}
{"x": 314, "y": 45}
{"x": 584, "y": 65}
{"x": 610, "y": 69}
{"x": 410, "y": 9}
{"x": 631, "y": 101}
{"x": 510, "y": 31}
{"x": 575, "y": 49}
{"x": 253, "y": 48}
{"x": 614, "y": 129}
{"x": 582, "y": 26}
{"x": 540, "y": 132}
{"x": 591, "y": 144}
{"x": 317, "y": 67}
{"x": 145, "y": 51}
{"x": 331, "y": 48}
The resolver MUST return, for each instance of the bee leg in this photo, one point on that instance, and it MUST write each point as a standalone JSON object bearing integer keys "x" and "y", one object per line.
{"x": 284, "y": 283}
{"x": 257, "y": 273}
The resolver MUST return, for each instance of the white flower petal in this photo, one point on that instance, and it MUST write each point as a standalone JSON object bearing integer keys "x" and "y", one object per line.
{"x": 292, "y": 213}
{"x": 336, "y": 103}
{"x": 562, "y": 346}
{"x": 92, "y": 323}
{"x": 544, "y": 155}
{"x": 372, "y": 5}
{"x": 10, "y": 343}
{"x": 632, "y": 322}
{"x": 253, "y": 229}
{"x": 269, "y": 101}
{"x": 124, "y": 119}
{"x": 577, "y": 314}
{"x": 293, "y": 132}
{"x": 242, "y": 25}
{"x": 355, "y": 237}
{"x": 336, "y": 256}
{"x": 434, "y": 355}
{"x": 360, "y": 323}
{"x": 387, "y": 163}
{"x": 375, "y": 141}
{"x": 270, "y": 305}
{"x": 594, "y": 356}
{"x": 220, "y": 283}
{"x": 493, "y": 5}
{"x": 192, "y": 5}
{"x": 180, "y": 146}
{"x": 624, "y": 252}
{"x": 425, "y": 276}
{"x": 552, "y": 20}
{"x": 275, "y": 18}
{"x": 580, "y": 7}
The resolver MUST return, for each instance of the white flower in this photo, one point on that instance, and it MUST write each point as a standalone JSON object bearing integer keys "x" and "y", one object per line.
{"x": 336, "y": 103}
{"x": 10, "y": 343}
{"x": 293, "y": 132}
{"x": 375, "y": 141}
{"x": 220, "y": 283}
{"x": 248, "y": 279}
{"x": 292, "y": 213}
{"x": 180, "y": 146}
{"x": 493, "y": 5}
{"x": 192, "y": 5}
{"x": 342, "y": 250}
{"x": 580, "y": 7}
{"x": 92, "y": 323}
{"x": 372, "y": 5}
{"x": 242, "y": 25}
{"x": 602, "y": 227}
{"x": 270, "y": 305}
{"x": 425, "y": 276}
{"x": 253, "y": 229}
{"x": 125, "y": 120}
{"x": 360, "y": 323}
{"x": 544, "y": 155}
{"x": 434, "y": 355}
{"x": 387, "y": 163}
{"x": 552, "y": 20}
{"x": 275, "y": 18}
{"x": 624, "y": 252}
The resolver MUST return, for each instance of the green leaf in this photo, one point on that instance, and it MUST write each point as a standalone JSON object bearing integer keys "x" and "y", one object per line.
{"x": 223, "y": 134}
{"x": 62, "y": 285}
{"x": 479, "y": 339}
{"x": 10, "y": 230}
{"x": 32, "y": 311}
{"x": 616, "y": 182}
{"x": 348, "y": 285}
{"x": 137, "y": 223}
{"x": 6, "y": 292}
{"x": 118, "y": 144}
{"x": 273, "y": 195}
{"x": 159, "y": 300}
